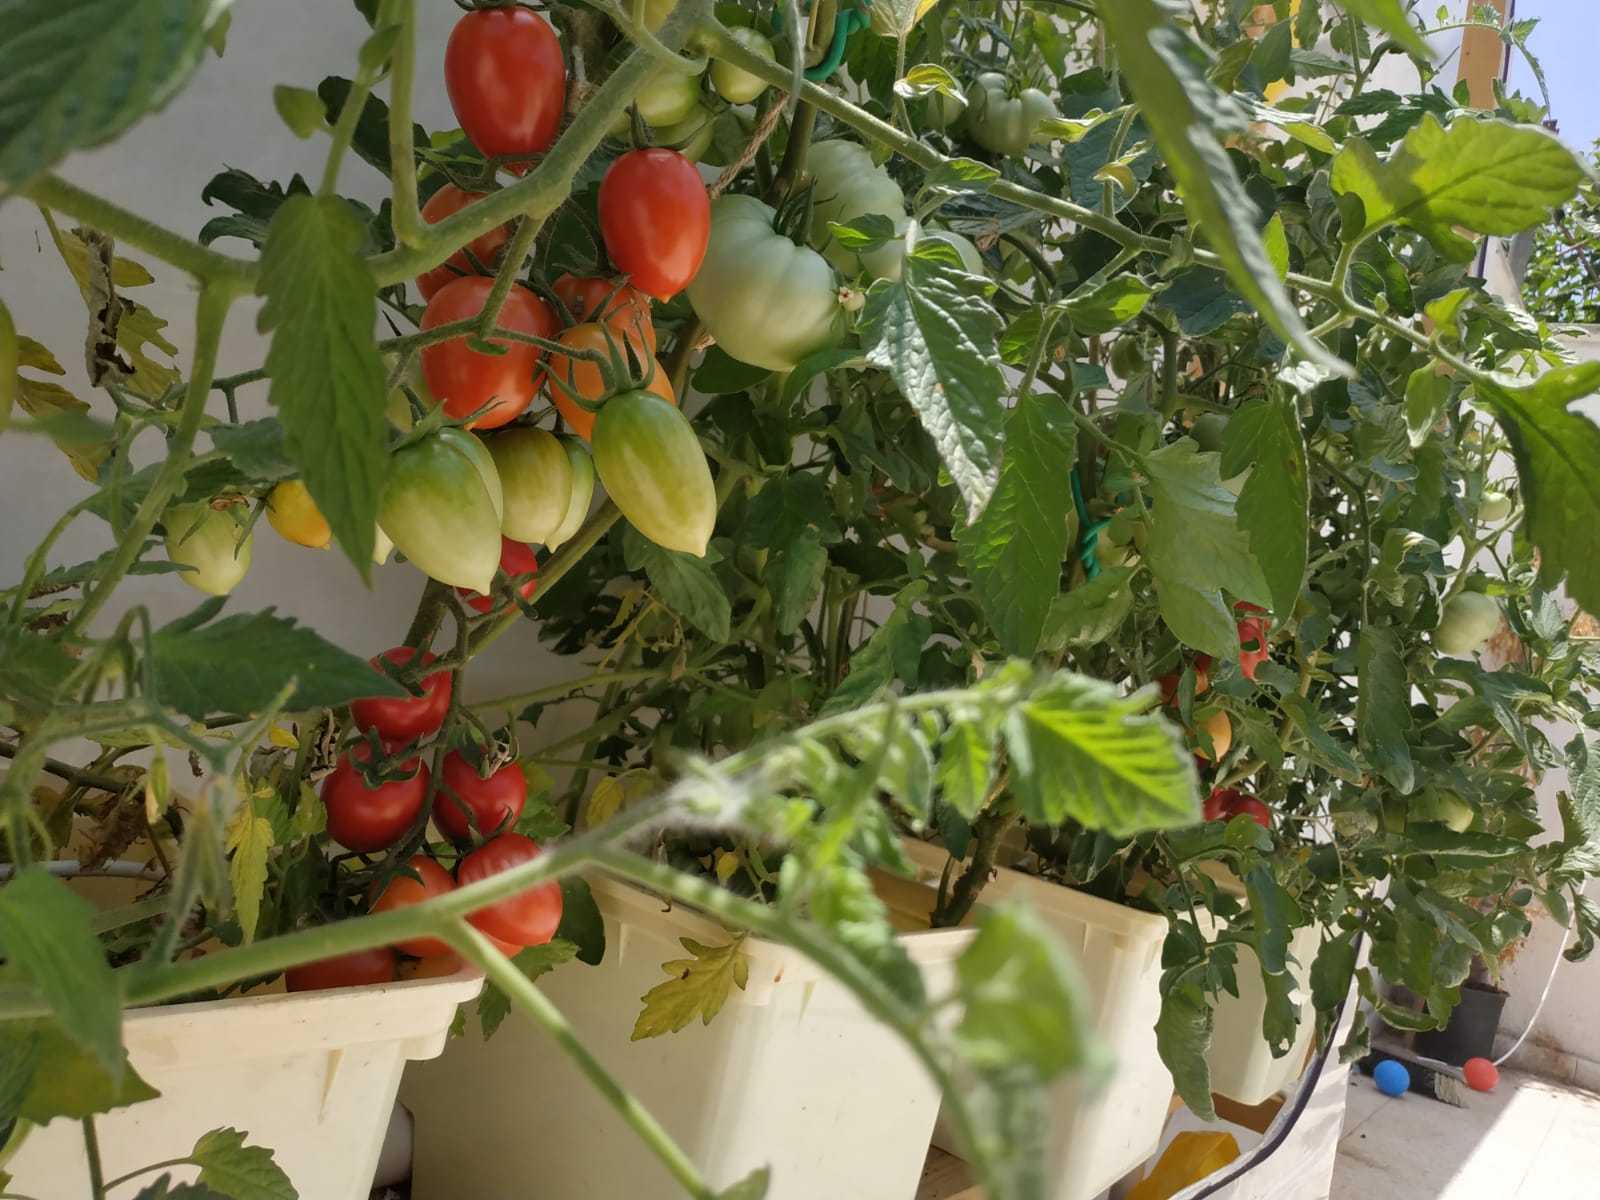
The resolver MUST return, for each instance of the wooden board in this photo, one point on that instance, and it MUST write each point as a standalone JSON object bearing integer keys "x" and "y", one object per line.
{"x": 946, "y": 1177}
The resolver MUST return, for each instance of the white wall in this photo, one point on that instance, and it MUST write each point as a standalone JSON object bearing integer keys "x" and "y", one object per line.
{"x": 224, "y": 117}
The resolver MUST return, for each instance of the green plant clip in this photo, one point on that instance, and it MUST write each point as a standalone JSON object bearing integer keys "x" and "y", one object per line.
{"x": 1090, "y": 537}
{"x": 856, "y": 16}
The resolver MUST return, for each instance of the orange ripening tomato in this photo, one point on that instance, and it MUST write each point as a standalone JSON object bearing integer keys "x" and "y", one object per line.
{"x": 587, "y": 379}
{"x": 464, "y": 380}
{"x": 446, "y": 202}
{"x": 626, "y": 308}
{"x": 403, "y": 891}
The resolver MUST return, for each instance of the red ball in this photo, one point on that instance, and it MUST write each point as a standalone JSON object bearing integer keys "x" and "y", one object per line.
{"x": 1481, "y": 1074}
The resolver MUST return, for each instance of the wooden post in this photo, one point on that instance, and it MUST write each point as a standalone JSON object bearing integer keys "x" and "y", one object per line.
{"x": 1482, "y": 57}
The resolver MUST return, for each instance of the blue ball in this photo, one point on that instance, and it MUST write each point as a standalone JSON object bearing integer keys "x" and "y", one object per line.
{"x": 1391, "y": 1077}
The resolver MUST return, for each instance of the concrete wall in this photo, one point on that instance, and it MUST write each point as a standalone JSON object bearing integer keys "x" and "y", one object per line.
{"x": 223, "y": 118}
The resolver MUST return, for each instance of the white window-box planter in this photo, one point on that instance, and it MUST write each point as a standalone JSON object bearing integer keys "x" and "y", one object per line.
{"x": 1095, "y": 1137}
{"x": 312, "y": 1075}
{"x": 792, "y": 1074}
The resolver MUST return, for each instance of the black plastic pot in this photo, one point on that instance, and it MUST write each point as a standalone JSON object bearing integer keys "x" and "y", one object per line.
{"x": 1470, "y": 1033}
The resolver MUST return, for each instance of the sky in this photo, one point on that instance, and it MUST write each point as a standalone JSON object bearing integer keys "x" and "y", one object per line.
{"x": 1567, "y": 45}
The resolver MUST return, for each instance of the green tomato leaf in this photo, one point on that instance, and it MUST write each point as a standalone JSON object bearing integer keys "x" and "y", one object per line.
{"x": 1197, "y": 548}
{"x": 1556, "y": 450}
{"x": 533, "y": 961}
{"x": 786, "y": 507}
{"x": 1115, "y": 302}
{"x": 752, "y": 1187}
{"x": 1383, "y": 707}
{"x": 47, "y": 935}
{"x": 1184, "y": 110}
{"x": 1276, "y": 240}
{"x": 581, "y": 923}
{"x": 76, "y": 73}
{"x": 1427, "y": 392}
{"x": 1091, "y": 612}
{"x": 1183, "y": 1038}
{"x": 1390, "y": 16}
{"x": 935, "y": 333}
{"x": 686, "y": 584}
{"x": 720, "y": 374}
{"x": 927, "y": 78}
{"x": 966, "y": 765}
{"x": 866, "y": 232}
{"x": 1332, "y": 970}
{"x": 256, "y": 448}
{"x": 299, "y": 108}
{"x": 893, "y": 653}
{"x": 1080, "y": 750}
{"x": 1273, "y": 916}
{"x": 794, "y": 575}
{"x": 842, "y": 901}
{"x": 52, "y": 1075}
{"x": 697, "y": 986}
{"x": 242, "y": 1172}
{"x": 240, "y": 663}
{"x": 1488, "y": 176}
{"x": 1020, "y": 1012}
{"x": 1201, "y": 301}
{"x": 1280, "y": 1019}
{"x": 327, "y": 376}
{"x": 165, "y": 1189}
{"x": 1013, "y": 549}
{"x": 1274, "y": 505}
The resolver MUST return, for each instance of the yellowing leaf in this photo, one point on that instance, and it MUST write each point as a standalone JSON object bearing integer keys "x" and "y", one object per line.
{"x": 279, "y": 736}
{"x": 250, "y": 839}
{"x": 67, "y": 421}
{"x": 697, "y": 987}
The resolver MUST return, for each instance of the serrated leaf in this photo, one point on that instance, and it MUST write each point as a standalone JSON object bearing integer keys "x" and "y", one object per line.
{"x": 1390, "y": 16}
{"x": 249, "y": 837}
{"x": 1080, "y": 750}
{"x": 866, "y": 232}
{"x": 752, "y": 1187}
{"x": 1183, "y": 1038}
{"x": 256, "y": 448}
{"x": 65, "y": 1080}
{"x": 242, "y": 1172}
{"x": 1197, "y": 548}
{"x": 1115, "y": 302}
{"x": 1020, "y": 1012}
{"x": 926, "y": 78}
{"x": 1427, "y": 391}
{"x": 66, "y": 421}
{"x": 1013, "y": 549}
{"x": 960, "y": 175}
{"x": 1273, "y": 917}
{"x": 371, "y": 138}
{"x": 47, "y": 934}
{"x": 76, "y": 73}
{"x": 1201, "y": 301}
{"x": 785, "y": 507}
{"x": 165, "y": 1189}
{"x": 966, "y": 765}
{"x": 581, "y": 923}
{"x": 843, "y": 902}
{"x": 1555, "y": 450}
{"x": 794, "y": 576}
{"x": 1274, "y": 505}
{"x": 698, "y": 986}
{"x": 327, "y": 376}
{"x": 720, "y": 374}
{"x": 893, "y": 653}
{"x": 299, "y": 108}
{"x": 1276, "y": 240}
{"x": 1331, "y": 972}
{"x": 1383, "y": 707}
{"x": 1488, "y": 176}
{"x": 685, "y": 583}
{"x": 533, "y": 961}
{"x": 1183, "y": 109}
{"x": 1090, "y": 612}
{"x": 934, "y": 332}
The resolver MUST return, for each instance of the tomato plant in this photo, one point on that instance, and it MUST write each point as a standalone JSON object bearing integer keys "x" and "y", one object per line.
{"x": 656, "y": 218}
{"x": 528, "y": 918}
{"x": 401, "y": 721}
{"x": 494, "y": 801}
{"x": 466, "y": 380}
{"x": 507, "y": 80}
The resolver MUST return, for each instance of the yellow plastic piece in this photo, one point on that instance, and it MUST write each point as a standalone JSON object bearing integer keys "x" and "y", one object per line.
{"x": 1191, "y": 1157}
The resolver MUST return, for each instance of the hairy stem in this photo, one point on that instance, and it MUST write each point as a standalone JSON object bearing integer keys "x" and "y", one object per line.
{"x": 405, "y": 217}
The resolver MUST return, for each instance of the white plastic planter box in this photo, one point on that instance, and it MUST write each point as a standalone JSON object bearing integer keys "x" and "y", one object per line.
{"x": 312, "y": 1075}
{"x": 1095, "y": 1137}
{"x": 792, "y": 1074}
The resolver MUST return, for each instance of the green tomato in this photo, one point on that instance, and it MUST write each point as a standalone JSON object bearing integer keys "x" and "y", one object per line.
{"x": 536, "y": 477}
{"x": 1003, "y": 123}
{"x": 1494, "y": 507}
{"x": 382, "y": 546}
{"x": 582, "y": 491}
{"x": 1444, "y": 808}
{"x": 691, "y": 137}
{"x": 970, "y": 258}
{"x": 738, "y": 86}
{"x": 941, "y": 111}
{"x": 848, "y": 184}
{"x": 211, "y": 542}
{"x": 440, "y": 510}
{"x": 768, "y": 302}
{"x": 650, "y": 462}
{"x": 668, "y": 98}
{"x": 1208, "y": 427}
{"x": 1468, "y": 622}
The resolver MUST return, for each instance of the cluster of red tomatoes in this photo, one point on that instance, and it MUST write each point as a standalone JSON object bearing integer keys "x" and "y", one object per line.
{"x": 507, "y": 84}
{"x": 369, "y": 812}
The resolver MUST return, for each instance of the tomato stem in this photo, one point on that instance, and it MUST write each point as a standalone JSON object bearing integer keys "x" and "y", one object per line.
{"x": 405, "y": 216}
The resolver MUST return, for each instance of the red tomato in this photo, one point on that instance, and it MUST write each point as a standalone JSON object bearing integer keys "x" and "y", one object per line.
{"x": 461, "y": 378}
{"x": 1169, "y": 684}
{"x": 496, "y": 802}
{"x": 507, "y": 80}
{"x": 516, "y": 561}
{"x": 627, "y": 309}
{"x": 357, "y": 969}
{"x": 366, "y": 819}
{"x": 448, "y": 201}
{"x": 1255, "y": 810}
{"x": 529, "y": 918}
{"x": 587, "y": 380}
{"x": 403, "y": 892}
{"x": 401, "y": 721}
{"x": 1252, "y": 645}
{"x": 655, "y": 217}
{"x": 1220, "y": 802}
